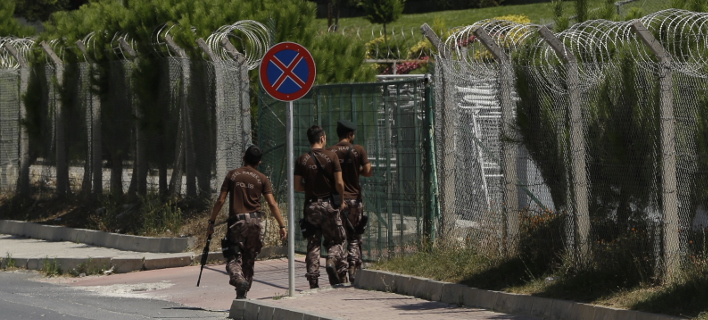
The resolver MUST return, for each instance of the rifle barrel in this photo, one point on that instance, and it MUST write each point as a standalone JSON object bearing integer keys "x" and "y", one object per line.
{"x": 205, "y": 256}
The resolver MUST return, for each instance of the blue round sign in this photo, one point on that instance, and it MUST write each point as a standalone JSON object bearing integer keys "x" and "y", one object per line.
{"x": 287, "y": 71}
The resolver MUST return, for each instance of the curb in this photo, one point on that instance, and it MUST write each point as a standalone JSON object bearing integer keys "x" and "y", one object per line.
{"x": 96, "y": 238}
{"x": 261, "y": 310}
{"x": 125, "y": 265}
{"x": 119, "y": 265}
{"x": 457, "y": 294}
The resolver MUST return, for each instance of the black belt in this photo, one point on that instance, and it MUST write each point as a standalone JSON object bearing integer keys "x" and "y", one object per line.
{"x": 320, "y": 199}
{"x": 243, "y": 216}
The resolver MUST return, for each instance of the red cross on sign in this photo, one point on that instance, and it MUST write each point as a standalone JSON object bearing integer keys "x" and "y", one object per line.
{"x": 287, "y": 71}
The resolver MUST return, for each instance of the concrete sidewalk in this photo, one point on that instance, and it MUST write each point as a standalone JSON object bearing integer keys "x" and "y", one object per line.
{"x": 375, "y": 295}
{"x": 32, "y": 254}
{"x": 267, "y": 298}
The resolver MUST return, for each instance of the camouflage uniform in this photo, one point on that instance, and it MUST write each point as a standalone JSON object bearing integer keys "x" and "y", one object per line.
{"x": 243, "y": 242}
{"x": 329, "y": 225}
{"x": 351, "y": 158}
{"x": 319, "y": 212}
{"x": 354, "y": 213}
{"x": 244, "y": 245}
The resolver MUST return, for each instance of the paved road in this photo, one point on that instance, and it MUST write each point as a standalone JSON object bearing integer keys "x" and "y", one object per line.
{"x": 179, "y": 285}
{"x": 22, "y": 297}
{"x": 172, "y": 293}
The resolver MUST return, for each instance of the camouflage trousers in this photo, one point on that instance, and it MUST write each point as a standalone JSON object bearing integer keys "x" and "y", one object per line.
{"x": 329, "y": 225}
{"x": 353, "y": 212}
{"x": 244, "y": 238}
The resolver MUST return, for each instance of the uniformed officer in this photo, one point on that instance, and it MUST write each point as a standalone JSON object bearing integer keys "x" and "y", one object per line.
{"x": 243, "y": 242}
{"x": 354, "y": 163}
{"x": 319, "y": 175}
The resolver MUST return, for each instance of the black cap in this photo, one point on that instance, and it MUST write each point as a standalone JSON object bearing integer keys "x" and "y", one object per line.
{"x": 346, "y": 124}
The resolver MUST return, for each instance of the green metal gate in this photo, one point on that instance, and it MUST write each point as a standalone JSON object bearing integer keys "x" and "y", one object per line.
{"x": 394, "y": 124}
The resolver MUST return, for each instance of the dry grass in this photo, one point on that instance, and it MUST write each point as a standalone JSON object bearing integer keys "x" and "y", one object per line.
{"x": 686, "y": 296}
{"x": 197, "y": 226}
{"x": 147, "y": 216}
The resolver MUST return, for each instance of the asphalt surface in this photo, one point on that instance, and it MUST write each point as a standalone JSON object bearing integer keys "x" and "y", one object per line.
{"x": 23, "y": 297}
{"x": 172, "y": 293}
{"x": 178, "y": 285}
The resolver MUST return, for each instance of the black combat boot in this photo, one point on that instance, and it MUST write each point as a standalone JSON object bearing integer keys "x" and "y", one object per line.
{"x": 352, "y": 273}
{"x": 240, "y": 283}
{"x": 332, "y": 272}
{"x": 313, "y": 283}
{"x": 343, "y": 277}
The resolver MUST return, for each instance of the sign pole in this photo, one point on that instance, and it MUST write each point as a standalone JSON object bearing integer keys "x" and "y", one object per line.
{"x": 291, "y": 199}
{"x": 287, "y": 73}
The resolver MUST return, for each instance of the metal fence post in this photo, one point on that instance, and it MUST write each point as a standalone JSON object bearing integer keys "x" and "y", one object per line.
{"x": 435, "y": 40}
{"x": 23, "y": 181}
{"x": 95, "y": 144}
{"x": 244, "y": 98}
{"x": 668, "y": 152}
{"x": 62, "y": 165}
{"x": 430, "y": 221}
{"x": 577, "y": 146}
{"x": 221, "y": 138}
{"x": 509, "y": 148}
{"x": 140, "y": 167}
{"x": 448, "y": 159}
{"x": 188, "y": 143}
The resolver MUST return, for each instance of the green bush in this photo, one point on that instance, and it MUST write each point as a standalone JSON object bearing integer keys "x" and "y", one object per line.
{"x": 50, "y": 268}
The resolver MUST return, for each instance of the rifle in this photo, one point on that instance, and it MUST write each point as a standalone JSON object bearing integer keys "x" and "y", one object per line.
{"x": 205, "y": 256}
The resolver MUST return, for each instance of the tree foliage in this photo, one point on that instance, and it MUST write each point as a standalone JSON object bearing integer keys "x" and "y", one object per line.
{"x": 382, "y": 11}
{"x": 338, "y": 59}
{"x": 291, "y": 20}
{"x": 9, "y": 26}
{"x": 40, "y": 10}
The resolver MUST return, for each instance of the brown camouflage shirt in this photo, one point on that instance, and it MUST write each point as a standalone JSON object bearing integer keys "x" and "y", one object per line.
{"x": 245, "y": 186}
{"x": 351, "y": 161}
{"x": 316, "y": 184}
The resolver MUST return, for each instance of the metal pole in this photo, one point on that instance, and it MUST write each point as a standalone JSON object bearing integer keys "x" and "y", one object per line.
{"x": 291, "y": 198}
{"x": 62, "y": 165}
{"x": 509, "y": 149}
{"x": 669, "y": 196}
{"x": 23, "y": 184}
{"x": 577, "y": 145}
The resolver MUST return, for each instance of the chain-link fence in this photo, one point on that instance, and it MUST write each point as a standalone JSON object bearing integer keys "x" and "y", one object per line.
{"x": 393, "y": 125}
{"x": 9, "y": 128}
{"x": 94, "y": 128}
{"x": 599, "y": 138}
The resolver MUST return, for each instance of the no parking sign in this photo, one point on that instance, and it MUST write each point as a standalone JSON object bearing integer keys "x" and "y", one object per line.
{"x": 287, "y": 71}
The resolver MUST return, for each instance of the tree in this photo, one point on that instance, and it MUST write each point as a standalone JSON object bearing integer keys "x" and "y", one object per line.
{"x": 382, "y": 12}
{"x": 40, "y": 10}
{"x": 9, "y": 26}
{"x": 333, "y": 8}
{"x": 339, "y": 59}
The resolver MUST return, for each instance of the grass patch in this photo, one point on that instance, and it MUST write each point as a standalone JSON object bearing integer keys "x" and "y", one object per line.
{"x": 150, "y": 215}
{"x": 87, "y": 268}
{"x": 540, "y": 13}
{"x": 8, "y": 263}
{"x": 279, "y": 296}
{"x": 620, "y": 274}
{"x": 686, "y": 297}
{"x": 50, "y": 268}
